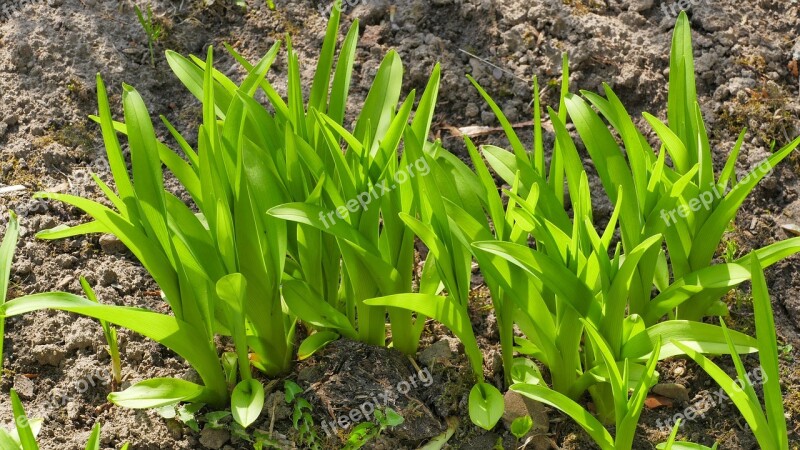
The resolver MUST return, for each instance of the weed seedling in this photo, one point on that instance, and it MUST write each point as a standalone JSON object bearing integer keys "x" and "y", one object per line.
{"x": 366, "y": 431}
{"x": 301, "y": 416}
{"x": 153, "y": 30}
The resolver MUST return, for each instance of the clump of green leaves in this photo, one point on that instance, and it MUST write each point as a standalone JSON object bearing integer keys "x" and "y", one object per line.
{"x": 26, "y": 430}
{"x": 302, "y": 421}
{"x": 366, "y": 431}
{"x": 152, "y": 28}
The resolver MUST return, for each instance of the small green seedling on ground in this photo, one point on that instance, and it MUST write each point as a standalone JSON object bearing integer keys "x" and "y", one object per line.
{"x": 366, "y": 431}
{"x": 153, "y": 29}
{"x": 521, "y": 426}
{"x": 110, "y": 334}
{"x": 672, "y": 444}
{"x": 302, "y": 421}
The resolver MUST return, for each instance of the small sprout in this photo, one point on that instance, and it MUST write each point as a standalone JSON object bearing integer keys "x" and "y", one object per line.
{"x": 521, "y": 426}
{"x": 110, "y": 334}
{"x": 153, "y": 30}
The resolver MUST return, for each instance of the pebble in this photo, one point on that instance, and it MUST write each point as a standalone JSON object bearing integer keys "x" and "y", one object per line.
{"x": 111, "y": 244}
{"x": 674, "y": 391}
{"x": 24, "y": 387}
{"x": 214, "y": 438}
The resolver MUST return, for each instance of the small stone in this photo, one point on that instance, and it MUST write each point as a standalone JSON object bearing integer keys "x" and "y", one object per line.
{"x": 791, "y": 229}
{"x": 74, "y": 410}
{"x": 441, "y": 350}
{"x": 214, "y": 438}
{"x": 472, "y": 110}
{"x": 49, "y": 354}
{"x": 640, "y": 5}
{"x": 175, "y": 429}
{"x": 674, "y": 391}
{"x": 24, "y": 387}
{"x": 111, "y": 244}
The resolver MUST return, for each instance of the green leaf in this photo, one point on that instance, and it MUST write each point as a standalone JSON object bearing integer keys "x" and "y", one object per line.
{"x": 313, "y": 309}
{"x": 313, "y": 343}
{"x": 156, "y": 392}
{"x": 247, "y": 401}
{"x": 526, "y": 371}
{"x": 94, "y": 438}
{"x": 563, "y": 403}
{"x": 521, "y": 426}
{"x": 393, "y": 419}
{"x": 700, "y": 337}
{"x": 24, "y": 431}
{"x": 7, "y": 248}
{"x": 485, "y": 405}
{"x": 768, "y": 355}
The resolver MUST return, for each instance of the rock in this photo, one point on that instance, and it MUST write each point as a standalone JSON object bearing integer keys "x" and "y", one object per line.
{"x": 175, "y": 429}
{"x": 516, "y": 405}
{"x": 214, "y": 438}
{"x": 441, "y": 350}
{"x": 674, "y": 391}
{"x": 111, "y": 244}
{"x": 640, "y": 5}
{"x": 49, "y": 354}
{"x": 24, "y": 387}
{"x": 74, "y": 410}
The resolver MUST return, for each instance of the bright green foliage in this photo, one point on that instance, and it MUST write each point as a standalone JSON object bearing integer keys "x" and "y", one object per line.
{"x": 768, "y": 424}
{"x": 684, "y": 202}
{"x": 521, "y": 426}
{"x": 7, "y": 247}
{"x": 24, "y": 436}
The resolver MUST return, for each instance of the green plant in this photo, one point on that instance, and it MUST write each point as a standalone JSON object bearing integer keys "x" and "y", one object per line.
{"x": 302, "y": 421}
{"x": 768, "y": 424}
{"x": 7, "y": 247}
{"x": 672, "y": 444}
{"x": 688, "y": 187}
{"x": 24, "y": 435}
{"x": 110, "y": 334}
{"x": 153, "y": 29}
{"x": 221, "y": 269}
{"x": 521, "y": 426}
{"x": 366, "y": 431}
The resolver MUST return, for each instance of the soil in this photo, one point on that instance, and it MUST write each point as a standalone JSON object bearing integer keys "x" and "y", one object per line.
{"x": 50, "y": 51}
